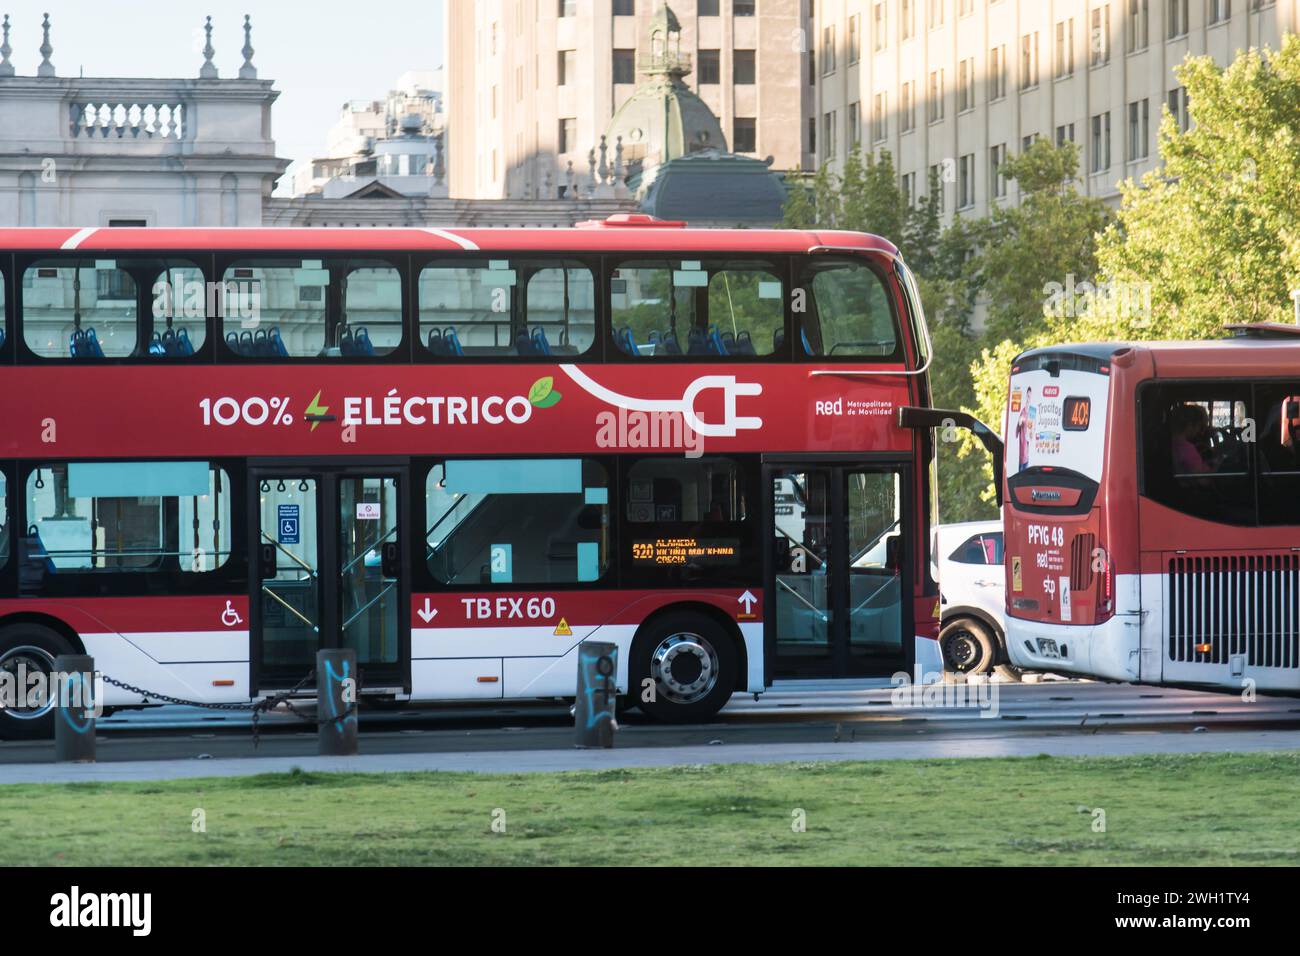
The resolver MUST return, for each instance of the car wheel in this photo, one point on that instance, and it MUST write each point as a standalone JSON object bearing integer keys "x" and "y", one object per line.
{"x": 967, "y": 647}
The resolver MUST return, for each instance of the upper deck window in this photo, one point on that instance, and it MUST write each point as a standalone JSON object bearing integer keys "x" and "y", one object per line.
{"x": 506, "y": 307}
{"x": 296, "y": 308}
{"x": 80, "y": 308}
{"x": 91, "y": 308}
{"x": 693, "y": 307}
{"x": 848, "y": 312}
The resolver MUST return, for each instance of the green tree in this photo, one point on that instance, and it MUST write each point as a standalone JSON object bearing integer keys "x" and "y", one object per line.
{"x": 1212, "y": 236}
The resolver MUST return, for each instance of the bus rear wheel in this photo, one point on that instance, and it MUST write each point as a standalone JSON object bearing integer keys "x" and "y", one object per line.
{"x": 26, "y": 649}
{"x": 967, "y": 647}
{"x": 685, "y": 664}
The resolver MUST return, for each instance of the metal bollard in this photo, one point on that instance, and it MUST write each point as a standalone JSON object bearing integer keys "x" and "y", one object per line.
{"x": 593, "y": 712}
{"x": 336, "y": 697}
{"x": 74, "y": 709}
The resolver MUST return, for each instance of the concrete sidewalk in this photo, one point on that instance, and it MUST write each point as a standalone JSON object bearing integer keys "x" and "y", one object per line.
{"x": 536, "y": 761}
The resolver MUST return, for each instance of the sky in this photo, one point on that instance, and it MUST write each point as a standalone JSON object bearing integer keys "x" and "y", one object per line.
{"x": 320, "y": 54}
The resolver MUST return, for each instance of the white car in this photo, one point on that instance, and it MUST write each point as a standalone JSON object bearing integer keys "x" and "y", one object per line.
{"x": 968, "y": 566}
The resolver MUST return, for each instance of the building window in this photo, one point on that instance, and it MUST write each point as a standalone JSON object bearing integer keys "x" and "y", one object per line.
{"x": 1138, "y": 22}
{"x": 568, "y": 137}
{"x": 997, "y": 182}
{"x": 625, "y": 66}
{"x": 1027, "y": 142}
{"x": 812, "y": 134}
{"x": 707, "y": 8}
{"x": 1029, "y": 61}
{"x": 935, "y": 18}
{"x": 906, "y": 107}
{"x": 966, "y": 181}
{"x": 1100, "y": 143}
{"x": 1220, "y": 11}
{"x": 743, "y": 8}
{"x": 568, "y": 8}
{"x": 1177, "y": 102}
{"x": 879, "y": 28}
{"x": 906, "y": 18}
{"x": 744, "y": 135}
{"x": 965, "y": 8}
{"x": 828, "y": 135}
{"x": 742, "y": 67}
{"x": 997, "y": 73}
{"x": 1064, "y": 134}
{"x": 828, "y": 50}
{"x": 1065, "y": 48}
{"x": 709, "y": 67}
{"x": 566, "y": 68}
{"x": 852, "y": 121}
{"x": 936, "y": 96}
{"x": 624, "y": 8}
{"x": 966, "y": 85}
{"x": 517, "y": 521}
{"x": 879, "y": 117}
{"x": 909, "y": 189}
{"x": 935, "y": 179}
{"x": 1099, "y": 38}
{"x": 1176, "y": 18}
{"x": 1139, "y": 123}
{"x": 855, "y": 37}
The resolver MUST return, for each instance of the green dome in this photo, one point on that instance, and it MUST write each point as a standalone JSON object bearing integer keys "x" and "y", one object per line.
{"x": 663, "y": 120}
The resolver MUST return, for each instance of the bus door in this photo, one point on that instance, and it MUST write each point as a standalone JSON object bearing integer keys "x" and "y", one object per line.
{"x": 329, "y": 569}
{"x": 837, "y": 586}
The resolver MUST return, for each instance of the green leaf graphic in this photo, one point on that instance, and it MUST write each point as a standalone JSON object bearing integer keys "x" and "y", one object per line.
{"x": 551, "y": 398}
{"x": 541, "y": 388}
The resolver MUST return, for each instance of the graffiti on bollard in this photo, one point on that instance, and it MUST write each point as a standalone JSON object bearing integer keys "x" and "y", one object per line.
{"x": 593, "y": 712}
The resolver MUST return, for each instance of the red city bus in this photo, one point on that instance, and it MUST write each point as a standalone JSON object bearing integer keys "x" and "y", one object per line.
{"x": 460, "y": 452}
{"x": 1152, "y": 499}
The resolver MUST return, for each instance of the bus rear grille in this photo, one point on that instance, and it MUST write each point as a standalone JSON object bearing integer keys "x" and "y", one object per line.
{"x": 1081, "y": 561}
{"x": 1235, "y": 604}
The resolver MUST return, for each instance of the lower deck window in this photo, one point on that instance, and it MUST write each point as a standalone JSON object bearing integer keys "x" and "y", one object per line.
{"x": 517, "y": 521}
{"x": 127, "y": 516}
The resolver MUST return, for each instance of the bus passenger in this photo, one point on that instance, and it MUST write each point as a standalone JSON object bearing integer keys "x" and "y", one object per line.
{"x": 1189, "y": 427}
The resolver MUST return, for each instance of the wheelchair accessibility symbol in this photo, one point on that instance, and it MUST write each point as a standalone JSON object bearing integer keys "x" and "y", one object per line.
{"x": 230, "y": 617}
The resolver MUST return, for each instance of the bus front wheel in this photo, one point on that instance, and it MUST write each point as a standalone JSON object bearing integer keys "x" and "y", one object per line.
{"x": 26, "y": 649}
{"x": 682, "y": 668}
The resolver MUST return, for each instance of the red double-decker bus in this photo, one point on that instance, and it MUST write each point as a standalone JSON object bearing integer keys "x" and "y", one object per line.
{"x": 460, "y": 452}
{"x": 1152, "y": 505}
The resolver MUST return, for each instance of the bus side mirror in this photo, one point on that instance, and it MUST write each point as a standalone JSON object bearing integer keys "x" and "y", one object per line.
{"x": 927, "y": 418}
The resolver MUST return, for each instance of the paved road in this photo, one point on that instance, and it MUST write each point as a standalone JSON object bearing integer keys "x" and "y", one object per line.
{"x": 794, "y": 721}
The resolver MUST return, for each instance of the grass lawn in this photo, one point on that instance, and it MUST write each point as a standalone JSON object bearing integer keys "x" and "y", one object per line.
{"x": 1198, "y": 809}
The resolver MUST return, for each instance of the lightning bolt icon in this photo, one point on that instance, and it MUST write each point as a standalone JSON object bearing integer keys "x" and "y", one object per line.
{"x": 315, "y": 410}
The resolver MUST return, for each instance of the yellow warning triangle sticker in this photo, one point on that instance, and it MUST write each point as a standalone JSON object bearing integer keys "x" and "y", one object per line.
{"x": 562, "y": 629}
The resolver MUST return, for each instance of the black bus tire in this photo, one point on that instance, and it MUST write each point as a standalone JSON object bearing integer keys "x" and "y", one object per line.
{"x": 37, "y": 647}
{"x": 692, "y": 661}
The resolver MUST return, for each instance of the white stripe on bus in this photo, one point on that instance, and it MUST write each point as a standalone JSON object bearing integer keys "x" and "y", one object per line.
{"x": 81, "y": 236}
